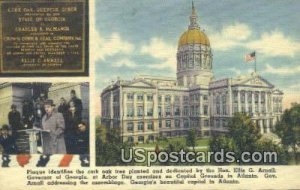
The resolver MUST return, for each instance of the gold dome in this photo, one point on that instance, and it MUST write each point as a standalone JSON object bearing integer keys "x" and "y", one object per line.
{"x": 193, "y": 36}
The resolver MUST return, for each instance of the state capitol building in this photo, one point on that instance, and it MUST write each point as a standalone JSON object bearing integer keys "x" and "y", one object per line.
{"x": 148, "y": 107}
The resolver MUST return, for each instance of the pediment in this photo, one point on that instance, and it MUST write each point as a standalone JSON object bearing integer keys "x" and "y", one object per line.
{"x": 143, "y": 84}
{"x": 257, "y": 81}
{"x": 278, "y": 92}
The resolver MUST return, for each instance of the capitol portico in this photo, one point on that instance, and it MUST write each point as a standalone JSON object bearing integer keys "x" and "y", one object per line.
{"x": 148, "y": 107}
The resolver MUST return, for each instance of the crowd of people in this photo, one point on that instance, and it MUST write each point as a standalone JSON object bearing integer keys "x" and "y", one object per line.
{"x": 66, "y": 133}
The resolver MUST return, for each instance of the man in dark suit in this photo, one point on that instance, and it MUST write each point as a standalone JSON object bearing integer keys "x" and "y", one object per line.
{"x": 77, "y": 102}
{"x": 27, "y": 114}
{"x": 8, "y": 144}
{"x": 82, "y": 143}
{"x": 7, "y": 141}
{"x": 63, "y": 107}
{"x": 14, "y": 119}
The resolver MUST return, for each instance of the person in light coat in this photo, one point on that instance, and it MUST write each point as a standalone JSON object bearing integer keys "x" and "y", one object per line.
{"x": 53, "y": 122}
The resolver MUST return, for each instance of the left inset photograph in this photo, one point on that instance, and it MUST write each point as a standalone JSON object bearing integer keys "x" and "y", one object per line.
{"x": 44, "y": 124}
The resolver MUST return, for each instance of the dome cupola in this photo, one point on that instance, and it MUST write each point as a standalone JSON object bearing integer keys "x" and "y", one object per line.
{"x": 194, "y": 57}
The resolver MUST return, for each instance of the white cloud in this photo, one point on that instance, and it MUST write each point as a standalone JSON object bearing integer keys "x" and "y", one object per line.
{"x": 239, "y": 72}
{"x": 236, "y": 71}
{"x": 282, "y": 70}
{"x": 161, "y": 50}
{"x": 230, "y": 36}
{"x": 125, "y": 62}
{"x": 271, "y": 44}
{"x": 275, "y": 44}
{"x": 110, "y": 46}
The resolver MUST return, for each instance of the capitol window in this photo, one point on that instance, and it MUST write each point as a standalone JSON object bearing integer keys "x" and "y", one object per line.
{"x": 129, "y": 96}
{"x": 150, "y": 126}
{"x": 140, "y": 111}
{"x": 141, "y": 126}
{"x": 149, "y": 98}
{"x": 186, "y": 98}
{"x": 130, "y": 127}
{"x": 168, "y": 111}
{"x": 186, "y": 123}
{"x": 159, "y": 111}
{"x": 130, "y": 139}
{"x": 168, "y": 99}
{"x": 185, "y": 111}
{"x": 205, "y": 110}
{"x": 177, "y": 123}
{"x": 150, "y": 138}
{"x": 206, "y": 123}
{"x": 168, "y": 123}
{"x": 149, "y": 111}
{"x": 141, "y": 139}
{"x": 159, "y": 98}
{"x": 177, "y": 111}
{"x": 140, "y": 97}
{"x": 130, "y": 111}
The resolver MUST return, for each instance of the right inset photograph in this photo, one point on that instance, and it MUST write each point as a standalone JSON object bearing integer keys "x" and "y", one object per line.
{"x": 194, "y": 83}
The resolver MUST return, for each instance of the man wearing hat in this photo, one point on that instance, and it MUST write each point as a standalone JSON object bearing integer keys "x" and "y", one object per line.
{"x": 8, "y": 145}
{"x": 53, "y": 142}
{"x": 7, "y": 141}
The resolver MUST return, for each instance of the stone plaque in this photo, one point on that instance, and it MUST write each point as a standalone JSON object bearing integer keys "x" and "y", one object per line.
{"x": 44, "y": 37}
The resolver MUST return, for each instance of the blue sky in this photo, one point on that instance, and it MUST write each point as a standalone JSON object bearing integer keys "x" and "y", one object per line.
{"x": 140, "y": 37}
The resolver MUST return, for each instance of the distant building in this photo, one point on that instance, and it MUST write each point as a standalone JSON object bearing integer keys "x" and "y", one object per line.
{"x": 148, "y": 107}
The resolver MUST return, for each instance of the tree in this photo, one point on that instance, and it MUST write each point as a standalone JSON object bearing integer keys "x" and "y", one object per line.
{"x": 265, "y": 145}
{"x": 108, "y": 147}
{"x": 244, "y": 133}
{"x": 244, "y": 136}
{"x": 191, "y": 139}
{"x": 288, "y": 129}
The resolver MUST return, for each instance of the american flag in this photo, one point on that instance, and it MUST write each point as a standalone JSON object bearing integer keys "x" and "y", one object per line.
{"x": 250, "y": 57}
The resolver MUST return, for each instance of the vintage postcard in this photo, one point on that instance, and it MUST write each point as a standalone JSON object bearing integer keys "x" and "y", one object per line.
{"x": 149, "y": 94}
{"x": 44, "y": 37}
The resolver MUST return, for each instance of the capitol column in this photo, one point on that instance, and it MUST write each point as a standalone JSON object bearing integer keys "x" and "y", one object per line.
{"x": 145, "y": 105}
{"x": 239, "y": 100}
{"x": 271, "y": 97}
{"x": 268, "y": 125}
{"x": 221, "y": 105}
{"x": 172, "y": 105}
{"x": 259, "y": 102}
{"x": 266, "y": 102}
{"x": 155, "y": 105}
{"x": 111, "y": 105}
{"x": 162, "y": 106}
{"x": 253, "y": 102}
{"x": 201, "y": 105}
{"x": 155, "y": 114}
{"x": 261, "y": 126}
{"x": 230, "y": 98}
{"x": 172, "y": 113}
{"x": 134, "y": 105}
{"x": 246, "y": 102}
{"x": 125, "y": 105}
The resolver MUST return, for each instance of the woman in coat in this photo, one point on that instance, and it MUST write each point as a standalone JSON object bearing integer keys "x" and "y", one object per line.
{"x": 53, "y": 122}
